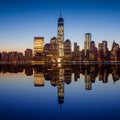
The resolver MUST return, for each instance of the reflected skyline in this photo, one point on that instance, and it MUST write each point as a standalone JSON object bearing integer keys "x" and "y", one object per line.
{"x": 60, "y": 76}
{"x": 90, "y": 72}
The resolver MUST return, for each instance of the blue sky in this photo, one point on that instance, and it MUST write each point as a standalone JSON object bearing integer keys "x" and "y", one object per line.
{"x": 21, "y": 21}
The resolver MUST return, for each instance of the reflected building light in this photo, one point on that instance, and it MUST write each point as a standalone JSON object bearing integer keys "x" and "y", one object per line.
{"x": 88, "y": 84}
{"x": 100, "y": 76}
{"x": 29, "y": 71}
{"x": 59, "y": 65}
{"x": 60, "y": 86}
{"x": 59, "y": 60}
{"x": 115, "y": 75}
{"x": 67, "y": 75}
{"x": 88, "y": 38}
{"x": 76, "y": 76}
{"x": 105, "y": 77}
{"x": 38, "y": 79}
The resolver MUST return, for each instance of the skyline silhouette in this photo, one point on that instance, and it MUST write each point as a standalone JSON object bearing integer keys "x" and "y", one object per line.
{"x": 21, "y": 21}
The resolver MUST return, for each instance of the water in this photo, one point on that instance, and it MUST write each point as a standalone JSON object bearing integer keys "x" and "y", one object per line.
{"x": 55, "y": 93}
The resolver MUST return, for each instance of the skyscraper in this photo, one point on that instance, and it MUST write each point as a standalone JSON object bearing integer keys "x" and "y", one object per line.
{"x": 106, "y": 55}
{"x": 38, "y": 45}
{"x": 88, "y": 37}
{"x": 28, "y": 54}
{"x": 67, "y": 47}
{"x": 104, "y": 47}
{"x": 60, "y": 37}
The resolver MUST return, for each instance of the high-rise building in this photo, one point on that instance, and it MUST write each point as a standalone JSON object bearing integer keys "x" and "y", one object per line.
{"x": 104, "y": 47}
{"x": 88, "y": 38}
{"x": 115, "y": 52}
{"x": 53, "y": 44}
{"x": 60, "y": 37}
{"x": 13, "y": 57}
{"x": 54, "y": 48}
{"x": 100, "y": 52}
{"x": 48, "y": 53}
{"x": 75, "y": 46}
{"x": 99, "y": 47}
{"x": 93, "y": 54}
{"x": 67, "y": 47}
{"x": 47, "y": 48}
{"x": 38, "y": 45}
{"x": 28, "y": 54}
{"x": 105, "y": 50}
{"x": 76, "y": 53}
{"x": 21, "y": 57}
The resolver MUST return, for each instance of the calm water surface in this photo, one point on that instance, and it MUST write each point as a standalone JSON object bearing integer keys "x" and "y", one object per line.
{"x": 58, "y": 93}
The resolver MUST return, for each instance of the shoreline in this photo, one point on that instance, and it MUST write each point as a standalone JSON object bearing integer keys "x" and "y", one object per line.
{"x": 62, "y": 63}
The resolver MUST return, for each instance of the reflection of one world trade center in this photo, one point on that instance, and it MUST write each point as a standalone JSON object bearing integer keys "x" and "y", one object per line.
{"x": 60, "y": 86}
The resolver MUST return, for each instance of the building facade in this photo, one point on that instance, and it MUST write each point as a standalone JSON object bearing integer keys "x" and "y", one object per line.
{"x": 38, "y": 45}
{"x": 105, "y": 50}
{"x": 88, "y": 38}
{"x": 60, "y": 37}
{"x": 67, "y": 47}
{"x": 28, "y": 54}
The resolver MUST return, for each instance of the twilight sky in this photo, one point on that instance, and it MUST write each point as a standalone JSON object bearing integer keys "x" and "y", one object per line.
{"x": 21, "y": 21}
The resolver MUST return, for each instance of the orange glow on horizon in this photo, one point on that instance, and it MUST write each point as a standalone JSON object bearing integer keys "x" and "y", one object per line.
{"x": 13, "y": 50}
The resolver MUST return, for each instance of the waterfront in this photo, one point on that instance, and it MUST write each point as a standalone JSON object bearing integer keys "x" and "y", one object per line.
{"x": 57, "y": 92}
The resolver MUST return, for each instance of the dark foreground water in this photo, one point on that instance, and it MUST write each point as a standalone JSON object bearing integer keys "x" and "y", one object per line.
{"x": 58, "y": 93}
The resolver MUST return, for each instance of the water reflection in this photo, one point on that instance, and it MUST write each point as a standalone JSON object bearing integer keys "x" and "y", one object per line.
{"x": 38, "y": 78}
{"x": 64, "y": 74}
{"x": 61, "y": 75}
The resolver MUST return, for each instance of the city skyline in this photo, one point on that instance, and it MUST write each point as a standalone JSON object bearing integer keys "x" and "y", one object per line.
{"x": 21, "y": 21}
